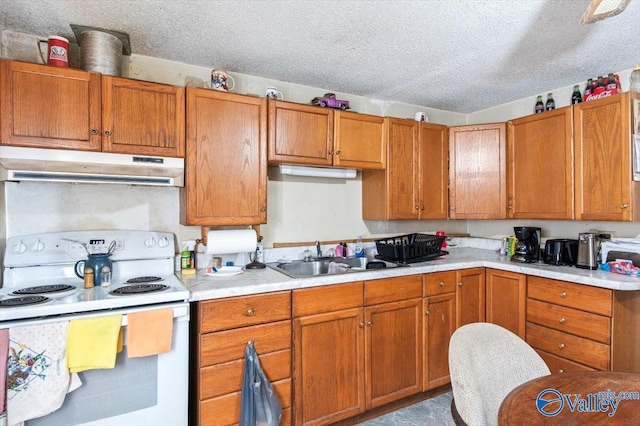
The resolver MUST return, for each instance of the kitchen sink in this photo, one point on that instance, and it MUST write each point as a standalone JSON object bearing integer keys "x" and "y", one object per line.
{"x": 323, "y": 266}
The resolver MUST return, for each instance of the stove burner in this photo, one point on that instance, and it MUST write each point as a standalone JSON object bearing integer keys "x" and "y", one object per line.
{"x": 22, "y": 301}
{"x": 138, "y": 289}
{"x": 142, "y": 280}
{"x": 43, "y": 289}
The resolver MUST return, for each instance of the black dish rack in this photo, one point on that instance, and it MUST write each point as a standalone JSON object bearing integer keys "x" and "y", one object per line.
{"x": 410, "y": 248}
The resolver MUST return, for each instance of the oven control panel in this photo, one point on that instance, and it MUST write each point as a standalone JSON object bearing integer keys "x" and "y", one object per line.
{"x": 61, "y": 247}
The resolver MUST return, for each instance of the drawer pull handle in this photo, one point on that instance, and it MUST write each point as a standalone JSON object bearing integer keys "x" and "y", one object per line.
{"x": 441, "y": 283}
{"x": 560, "y": 371}
{"x": 250, "y": 312}
{"x": 561, "y": 346}
{"x": 563, "y": 294}
{"x": 562, "y": 320}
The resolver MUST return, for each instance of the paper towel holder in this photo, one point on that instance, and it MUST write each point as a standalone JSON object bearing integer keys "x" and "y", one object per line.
{"x": 254, "y": 264}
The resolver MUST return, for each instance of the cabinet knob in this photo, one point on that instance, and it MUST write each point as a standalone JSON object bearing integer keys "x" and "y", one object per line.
{"x": 361, "y": 325}
{"x": 263, "y": 209}
{"x": 330, "y": 152}
{"x": 623, "y": 206}
{"x": 441, "y": 283}
{"x": 561, "y": 346}
{"x": 107, "y": 132}
{"x": 417, "y": 207}
{"x": 250, "y": 312}
{"x": 421, "y": 207}
{"x": 510, "y": 207}
{"x": 428, "y": 312}
{"x": 562, "y": 320}
{"x": 94, "y": 132}
{"x": 338, "y": 152}
{"x": 560, "y": 371}
{"x": 460, "y": 284}
{"x": 563, "y": 294}
{"x": 370, "y": 323}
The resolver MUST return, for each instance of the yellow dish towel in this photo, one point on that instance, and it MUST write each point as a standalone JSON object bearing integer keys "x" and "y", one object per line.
{"x": 149, "y": 332}
{"x": 92, "y": 343}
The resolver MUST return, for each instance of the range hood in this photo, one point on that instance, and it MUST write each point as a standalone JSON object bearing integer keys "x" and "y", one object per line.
{"x": 56, "y": 165}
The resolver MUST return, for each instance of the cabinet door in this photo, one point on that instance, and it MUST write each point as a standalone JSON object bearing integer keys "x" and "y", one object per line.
{"x": 477, "y": 172}
{"x": 393, "y": 351}
{"x": 300, "y": 134}
{"x": 433, "y": 160}
{"x": 328, "y": 369}
{"x": 393, "y": 193}
{"x": 506, "y": 300}
{"x": 49, "y": 107}
{"x": 602, "y": 129}
{"x": 470, "y": 296}
{"x": 540, "y": 169}
{"x": 440, "y": 323}
{"x": 144, "y": 118}
{"x": 359, "y": 141}
{"x": 226, "y": 159}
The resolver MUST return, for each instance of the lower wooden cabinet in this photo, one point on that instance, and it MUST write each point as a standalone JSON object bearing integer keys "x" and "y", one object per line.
{"x": 470, "y": 296}
{"x": 505, "y": 300}
{"x": 356, "y": 346}
{"x": 221, "y": 331}
{"x": 440, "y": 323}
{"x": 577, "y": 327}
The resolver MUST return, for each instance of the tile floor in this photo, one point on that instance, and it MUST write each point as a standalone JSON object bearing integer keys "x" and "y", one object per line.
{"x": 435, "y": 411}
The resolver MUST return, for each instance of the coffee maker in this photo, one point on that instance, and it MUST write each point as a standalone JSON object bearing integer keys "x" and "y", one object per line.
{"x": 527, "y": 248}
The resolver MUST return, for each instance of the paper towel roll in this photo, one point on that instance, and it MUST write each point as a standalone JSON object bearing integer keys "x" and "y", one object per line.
{"x": 232, "y": 241}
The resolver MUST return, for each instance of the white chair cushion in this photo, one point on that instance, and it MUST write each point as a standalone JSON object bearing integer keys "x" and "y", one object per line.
{"x": 486, "y": 362}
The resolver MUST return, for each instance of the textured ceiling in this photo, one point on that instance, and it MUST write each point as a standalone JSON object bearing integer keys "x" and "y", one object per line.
{"x": 455, "y": 55}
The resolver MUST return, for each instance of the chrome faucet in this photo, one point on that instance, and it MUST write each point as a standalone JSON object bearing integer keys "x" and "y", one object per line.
{"x": 318, "y": 249}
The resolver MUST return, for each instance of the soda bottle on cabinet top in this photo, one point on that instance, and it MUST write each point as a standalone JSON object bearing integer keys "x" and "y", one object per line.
{"x": 576, "y": 97}
{"x": 550, "y": 103}
{"x": 599, "y": 86}
{"x": 634, "y": 81}
{"x": 589, "y": 89}
{"x": 611, "y": 82}
{"x": 539, "y": 105}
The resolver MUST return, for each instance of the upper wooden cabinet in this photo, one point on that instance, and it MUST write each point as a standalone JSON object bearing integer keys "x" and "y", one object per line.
{"x": 540, "y": 166}
{"x": 414, "y": 185}
{"x": 49, "y": 107}
{"x": 304, "y": 134}
{"x": 226, "y": 159}
{"x": 145, "y": 118}
{"x": 604, "y": 189}
{"x": 477, "y": 172}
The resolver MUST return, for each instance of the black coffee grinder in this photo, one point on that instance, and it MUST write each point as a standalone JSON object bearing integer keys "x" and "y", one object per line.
{"x": 527, "y": 249}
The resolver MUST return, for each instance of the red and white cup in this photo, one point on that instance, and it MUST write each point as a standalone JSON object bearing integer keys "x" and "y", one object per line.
{"x": 58, "y": 52}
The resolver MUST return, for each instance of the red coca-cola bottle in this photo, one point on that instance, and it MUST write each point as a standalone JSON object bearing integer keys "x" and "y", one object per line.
{"x": 611, "y": 82}
{"x": 599, "y": 86}
{"x": 589, "y": 89}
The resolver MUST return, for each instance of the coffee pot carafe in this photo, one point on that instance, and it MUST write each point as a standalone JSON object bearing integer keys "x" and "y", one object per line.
{"x": 527, "y": 248}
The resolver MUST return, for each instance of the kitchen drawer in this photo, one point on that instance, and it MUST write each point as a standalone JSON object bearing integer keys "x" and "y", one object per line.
{"x": 318, "y": 300}
{"x": 221, "y": 379}
{"x": 223, "y": 314}
{"x": 559, "y": 365}
{"x": 578, "y": 349}
{"x": 439, "y": 283}
{"x": 229, "y": 345}
{"x": 392, "y": 289}
{"x": 573, "y": 321}
{"x": 578, "y": 296}
{"x": 225, "y": 410}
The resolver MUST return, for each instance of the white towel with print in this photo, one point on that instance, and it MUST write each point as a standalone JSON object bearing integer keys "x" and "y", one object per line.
{"x": 37, "y": 375}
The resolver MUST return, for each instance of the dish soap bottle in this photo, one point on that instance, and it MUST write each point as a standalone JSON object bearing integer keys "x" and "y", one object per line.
{"x": 359, "y": 247}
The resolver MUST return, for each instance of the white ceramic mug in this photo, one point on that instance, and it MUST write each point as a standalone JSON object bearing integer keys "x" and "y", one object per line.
{"x": 421, "y": 116}
{"x": 220, "y": 81}
{"x": 272, "y": 92}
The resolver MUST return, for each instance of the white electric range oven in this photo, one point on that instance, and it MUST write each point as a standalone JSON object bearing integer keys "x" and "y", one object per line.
{"x": 40, "y": 286}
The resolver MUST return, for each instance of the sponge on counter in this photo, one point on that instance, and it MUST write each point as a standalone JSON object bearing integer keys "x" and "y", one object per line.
{"x": 190, "y": 271}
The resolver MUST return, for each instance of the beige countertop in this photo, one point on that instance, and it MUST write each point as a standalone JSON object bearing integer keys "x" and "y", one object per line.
{"x": 205, "y": 287}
